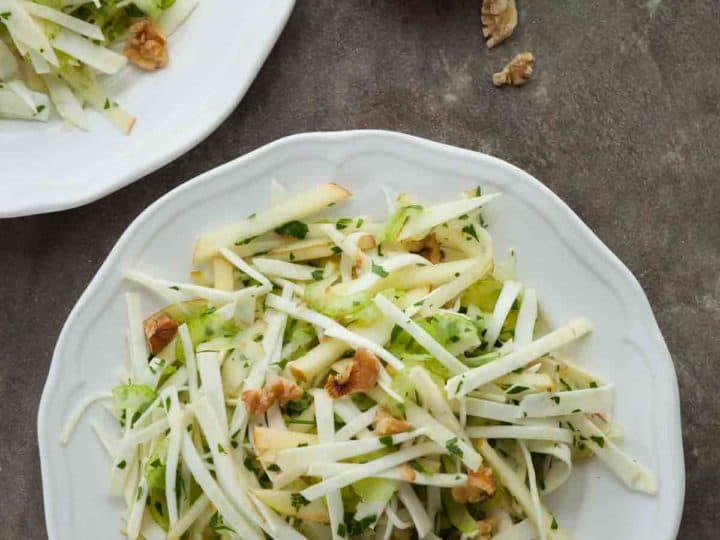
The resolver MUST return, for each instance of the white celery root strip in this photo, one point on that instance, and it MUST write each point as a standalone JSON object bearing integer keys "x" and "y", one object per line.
{"x": 516, "y": 486}
{"x": 461, "y": 384}
{"x": 634, "y": 475}
{"x": 295, "y": 208}
{"x": 508, "y": 294}
{"x": 368, "y": 469}
{"x": 394, "y": 313}
{"x": 441, "y": 435}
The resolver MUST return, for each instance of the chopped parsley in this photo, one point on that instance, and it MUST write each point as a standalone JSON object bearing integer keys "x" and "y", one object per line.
{"x": 335, "y": 250}
{"x": 293, "y": 408}
{"x": 122, "y": 464}
{"x": 453, "y": 448}
{"x": 298, "y": 501}
{"x": 6, "y": 15}
{"x": 387, "y": 440}
{"x": 593, "y": 384}
{"x": 343, "y": 223}
{"x": 556, "y": 399}
{"x": 600, "y": 441}
{"x": 516, "y": 389}
{"x": 274, "y": 467}
{"x": 216, "y": 524}
{"x": 174, "y": 287}
{"x": 221, "y": 449}
{"x": 470, "y": 231}
{"x": 359, "y": 223}
{"x": 357, "y": 527}
{"x": 379, "y": 270}
{"x": 341, "y": 530}
{"x": 296, "y": 229}
{"x": 317, "y": 275}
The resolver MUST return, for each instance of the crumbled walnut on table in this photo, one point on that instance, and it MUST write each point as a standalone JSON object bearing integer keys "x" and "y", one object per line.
{"x": 428, "y": 247}
{"x": 362, "y": 376}
{"x": 479, "y": 486}
{"x": 387, "y": 424}
{"x": 160, "y": 329}
{"x": 280, "y": 390}
{"x": 517, "y": 72}
{"x": 499, "y": 19}
{"x": 146, "y": 46}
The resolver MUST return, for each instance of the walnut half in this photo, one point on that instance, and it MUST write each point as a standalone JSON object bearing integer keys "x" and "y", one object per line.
{"x": 160, "y": 329}
{"x": 361, "y": 377}
{"x": 146, "y": 46}
{"x": 280, "y": 390}
{"x": 480, "y": 485}
{"x": 517, "y": 72}
{"x": 499, "y": 19}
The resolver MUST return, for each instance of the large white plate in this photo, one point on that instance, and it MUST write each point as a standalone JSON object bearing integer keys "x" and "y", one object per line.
{"x": 574, "y": 273}
{"x": 213, "y": 59}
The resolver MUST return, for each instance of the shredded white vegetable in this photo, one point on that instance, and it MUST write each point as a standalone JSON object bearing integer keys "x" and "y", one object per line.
{"x": 372, "y": 396}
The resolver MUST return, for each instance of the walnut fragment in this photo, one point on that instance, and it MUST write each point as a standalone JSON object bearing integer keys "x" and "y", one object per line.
{"x": 428, "y": 247}
{"x": 479, "y": 486}
{"x": 517, "y": 72}
{"x": 160, "y": 329}
{"x": 280, "y": 390}
{"x": 499, "y": 19}
{"x": 146, "y": 46}
{"x": 387, "y": 424}
{"x": 361, "y": 377}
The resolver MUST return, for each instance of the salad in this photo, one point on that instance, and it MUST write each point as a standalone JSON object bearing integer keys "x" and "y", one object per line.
{"x": 55, "y": 53}
{"x": 348, "y": 378}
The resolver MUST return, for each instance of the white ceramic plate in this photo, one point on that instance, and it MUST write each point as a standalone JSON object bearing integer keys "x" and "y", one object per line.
{"x": 213, "y": 59}
{"x": 574, "y": 273}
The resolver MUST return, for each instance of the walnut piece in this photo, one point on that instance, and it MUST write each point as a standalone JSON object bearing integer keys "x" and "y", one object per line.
{"x": 479, "y": 486}
{"x": 428, "y": 247}
{"x": 363, "y": 376}
{"x": 487, "y": 527}
{"x": 408, "y": 473}
{"x": 517, "y": 72}
{"x": 160, "y": 329}
{"x": 499, "y": 19}
{"x": 280, "y": 390}
{"x": 387, "y": 424}
{"x": 146, "y": 46}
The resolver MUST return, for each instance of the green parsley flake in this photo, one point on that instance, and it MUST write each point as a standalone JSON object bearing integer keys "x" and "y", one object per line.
{"x": 343, "y": 223}
{"x": 387, "y": 440}
{"x": 379, "y": 270}
{"x": 600, "y": 441}
{"x": 296, "y": 229}
{"x": 470, "y": 230}
{"x": 298, "y": 501}
{"x": 453, "y": 447}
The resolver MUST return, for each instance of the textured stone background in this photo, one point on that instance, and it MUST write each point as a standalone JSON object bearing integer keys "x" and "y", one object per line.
{"x": 622, "y": 120}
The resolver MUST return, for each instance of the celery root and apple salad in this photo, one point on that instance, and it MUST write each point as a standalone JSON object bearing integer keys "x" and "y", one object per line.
{"x": 56, "y": 54}
{"x": 351, "y": 378}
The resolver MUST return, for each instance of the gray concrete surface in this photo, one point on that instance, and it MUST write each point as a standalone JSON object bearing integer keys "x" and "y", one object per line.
{"x": 621, "y": 119}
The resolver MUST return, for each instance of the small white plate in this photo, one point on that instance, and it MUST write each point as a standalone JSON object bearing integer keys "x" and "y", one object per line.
{"x": 573, "y": 272}
{"x": 214, "y": 57}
